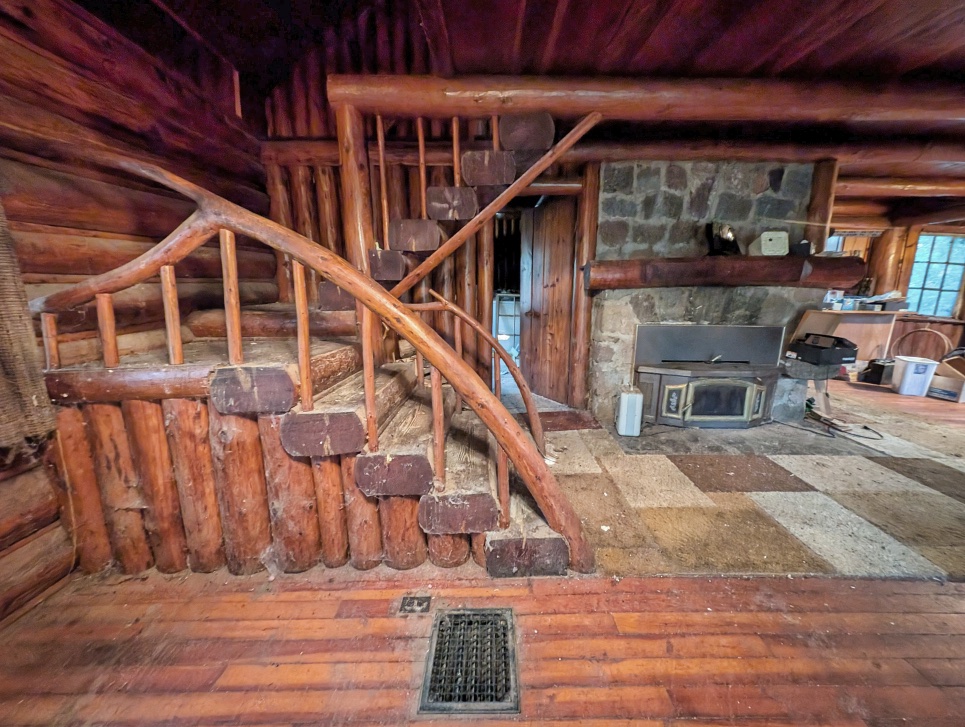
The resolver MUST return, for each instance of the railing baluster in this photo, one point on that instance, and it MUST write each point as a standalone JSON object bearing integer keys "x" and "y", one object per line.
{"x": 421, "y": 134}
{"x": 172, "y": 315}
{"x": 438, "y": 427}
{"x": 502, "y": 485}
{"x": 497, "y": 377}
{"x": 232, "y": 297}
{"x": 456, "y": 156}
{"x": 48, "y": 329}
{"x": 457, "y": 333}
{"x": 420, "y": 372}
{"x": 106, "y": 327}
{"x": 369, "y": 322}
{"x": 383, "y": 181}
{"x": 303, "y": 330}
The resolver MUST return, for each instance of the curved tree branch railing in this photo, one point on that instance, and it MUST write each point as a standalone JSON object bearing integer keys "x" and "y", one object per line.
{"x": 532, "y": 413}
{"x": 215, "y": 213}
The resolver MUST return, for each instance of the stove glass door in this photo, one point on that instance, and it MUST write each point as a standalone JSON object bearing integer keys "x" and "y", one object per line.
{"x": 720, "y": 400}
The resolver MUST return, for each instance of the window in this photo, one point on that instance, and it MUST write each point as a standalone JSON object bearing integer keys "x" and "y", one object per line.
{"x": 936, "y": 275}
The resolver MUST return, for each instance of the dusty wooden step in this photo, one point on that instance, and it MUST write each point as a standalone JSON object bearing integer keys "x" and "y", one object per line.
{"x": 415, "y": 235}
{"x": 387, "y": 265}
{"x": 270, "y": 387}
{"x": 337, "y": 423}
{"x": 528, "y": 547}
{"x": 528, "y": 131}
{"x": 404, "y": 464}
{"x": 467, "y": 503}
{"x": 333, "y": 298}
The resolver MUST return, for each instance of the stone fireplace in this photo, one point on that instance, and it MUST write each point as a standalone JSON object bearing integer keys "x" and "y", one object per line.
{"x": 659, "y": 209}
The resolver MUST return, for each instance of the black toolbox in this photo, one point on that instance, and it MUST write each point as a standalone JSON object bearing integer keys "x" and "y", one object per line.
{"x": 822, "y": 350}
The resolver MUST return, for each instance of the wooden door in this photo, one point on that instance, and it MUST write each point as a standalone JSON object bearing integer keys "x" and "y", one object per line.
{"x": 548, "y": 235}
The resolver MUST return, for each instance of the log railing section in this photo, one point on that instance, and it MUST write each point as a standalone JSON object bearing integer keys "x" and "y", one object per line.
{"x": 216, "y": 215}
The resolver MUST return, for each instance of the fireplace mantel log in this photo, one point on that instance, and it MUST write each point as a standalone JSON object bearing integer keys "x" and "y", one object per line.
{"x": 811, "y": 272}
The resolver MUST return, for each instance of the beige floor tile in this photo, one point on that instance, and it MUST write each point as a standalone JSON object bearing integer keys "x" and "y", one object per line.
{"x": 833, "y": 474}
{"x": 652, "y": 480}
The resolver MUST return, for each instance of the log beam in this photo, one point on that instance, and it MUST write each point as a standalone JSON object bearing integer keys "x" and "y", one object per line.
{"x": 812, "y": 272}
{"x": 899, "y": 187}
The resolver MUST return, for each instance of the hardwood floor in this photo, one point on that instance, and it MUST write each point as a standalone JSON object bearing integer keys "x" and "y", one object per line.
{"x": 884, "y": 399}
{"x": 330, "y": 647}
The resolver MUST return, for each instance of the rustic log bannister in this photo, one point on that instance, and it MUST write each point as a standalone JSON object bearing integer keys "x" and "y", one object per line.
{"x": 215, "y": 213}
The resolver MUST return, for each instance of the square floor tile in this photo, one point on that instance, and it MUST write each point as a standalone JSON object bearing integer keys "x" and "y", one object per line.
{"x": 572, "y": 455}
{"x": 652, "y": 480}
{"x": 913, "y": 518}
{"x": 851, "y": 544}
{"x": 935, "y": 475}
{"x": 715, "y": 540}
{"x": 608, "y": 520}
{"x": 846, "y": 474}
{"x": 737, "y": 473}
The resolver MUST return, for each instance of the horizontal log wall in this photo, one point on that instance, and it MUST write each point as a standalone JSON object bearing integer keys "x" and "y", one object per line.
{"x": 35, "y": 550}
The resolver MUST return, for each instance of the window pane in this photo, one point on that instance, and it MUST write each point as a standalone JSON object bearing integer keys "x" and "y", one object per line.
{"x": 946, "y": 303}
{"x": 834, "y": 243}
{"x": 914, "y": 295}
{"x": 953, "y": 277}
{"x": 918, "y": 275}
{"x": 923, "y": 251}
{"x": 940, "y": 249}
{"x": 934, "y": 276}
{"x": 958, "y": 250}
{"x": 929, "y": 300}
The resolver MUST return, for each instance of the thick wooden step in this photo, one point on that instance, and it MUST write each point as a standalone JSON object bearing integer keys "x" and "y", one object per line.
{"x": 488, "y": 168}
{"x": 404, "y": 464}
{"x": 271, "y": 388}
{"x": 387, "y": 266}
{"x": 451, "y": 203}
{"x": 337, "y": 423}
{"x": 467, "y": 503}
{"x": 528, "y": 547}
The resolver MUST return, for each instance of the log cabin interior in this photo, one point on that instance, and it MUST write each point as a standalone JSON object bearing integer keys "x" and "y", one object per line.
{"x": 390, "y": 361}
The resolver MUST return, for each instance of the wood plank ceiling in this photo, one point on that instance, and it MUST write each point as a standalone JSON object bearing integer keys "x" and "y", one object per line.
{"x": 860, "y": 41}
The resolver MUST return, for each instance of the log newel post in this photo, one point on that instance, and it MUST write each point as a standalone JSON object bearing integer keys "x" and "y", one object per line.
{"x": 172, "y": 315}
{"x": 106, "y": 328}
{"x": 48, "y": 330}
{"x": 232, "y": 297}
{"x": 588, "y": 214}
{"x": 438, "y": 428}
{"x": 306, "y": 395}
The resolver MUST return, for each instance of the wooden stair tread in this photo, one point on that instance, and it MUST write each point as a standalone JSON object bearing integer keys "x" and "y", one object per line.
{"x": 468, "y": 502}
{"x": 528, "y": 547}
{"x": 336, "y": 424}
{"x": 415, "y": 235}
{"x": 272, "y": 320}
{"x": 404, "y": 465}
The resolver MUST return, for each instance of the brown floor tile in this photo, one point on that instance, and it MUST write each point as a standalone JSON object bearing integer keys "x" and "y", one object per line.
{"x": 938, "y": 476}
{"x": 737, "y": 473}
{"x": 915, "y": 519}
{"x": 950, "y": 558}
{"x": 712, "y": 540}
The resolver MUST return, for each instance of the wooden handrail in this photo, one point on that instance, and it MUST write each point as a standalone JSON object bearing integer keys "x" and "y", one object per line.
{"x": 216, "y": 213}
{"x": 529, "y": 401}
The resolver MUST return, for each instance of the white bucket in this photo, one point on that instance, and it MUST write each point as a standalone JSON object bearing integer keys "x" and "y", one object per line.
{"x": 912, "y": 375}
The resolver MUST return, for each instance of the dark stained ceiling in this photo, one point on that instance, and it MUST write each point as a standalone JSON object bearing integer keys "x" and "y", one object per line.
{"x": 865, "y": 40}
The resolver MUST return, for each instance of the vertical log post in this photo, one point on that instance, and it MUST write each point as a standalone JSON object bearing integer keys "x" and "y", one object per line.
{"x": 119, "y": 486}
{"x": 438, "y": 427}
{"x": 456, "y": 155}
{"x": 403, "y": 539}
{"x": 448, "y": 551}
{"x": 362, "y": 516}
{"x": 280, "y": 212}
{"x": 421, "y": 135}
{"x": 162, "y": 516}
{"x": 383, "y": 182}
{"x": 484, "y": 293}
{"x": 75, "y": 465}
{"x": 303, "y": 333}
{"x": 172, "y": 315}
{"x": 48, "y": 330}
{"x": 242, "y": 492}
{"x": 494, "y": 130}
{"x": 586, "y": 229}
{"x": 187, "y": 427}
{"x": 107, "y": 329}
{"x": 232, "y": 299}
{"x": 477, "y": 543}
{"x": 885, "y": 259}
{"x": 292, "y": 502}
{"x": 822, "y": 201}
{"x": 359, "y": 239}
{"x": 327, "y": 477}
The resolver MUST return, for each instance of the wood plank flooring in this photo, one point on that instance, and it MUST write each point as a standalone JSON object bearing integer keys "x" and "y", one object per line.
{"x": 330, "y": 647}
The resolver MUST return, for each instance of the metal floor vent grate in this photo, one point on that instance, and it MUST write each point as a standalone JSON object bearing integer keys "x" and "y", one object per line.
{"x": 472, "y": 663}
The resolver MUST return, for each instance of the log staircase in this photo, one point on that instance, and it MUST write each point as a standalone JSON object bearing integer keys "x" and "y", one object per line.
{"x": 403, "y": 450}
